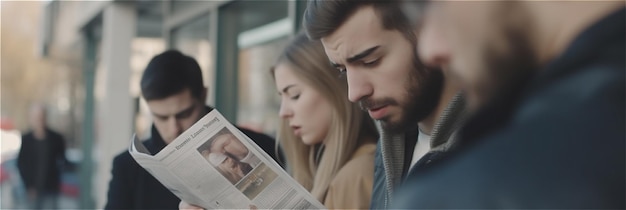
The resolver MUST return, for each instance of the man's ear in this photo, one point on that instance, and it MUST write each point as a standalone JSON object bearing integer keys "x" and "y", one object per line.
{"x": 203, "y": 96}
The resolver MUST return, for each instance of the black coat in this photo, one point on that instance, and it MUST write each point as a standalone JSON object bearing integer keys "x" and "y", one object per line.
{"x": 48, "y": 178}
{"x": 132, "y": 187}
{"x": 559, "y": 144}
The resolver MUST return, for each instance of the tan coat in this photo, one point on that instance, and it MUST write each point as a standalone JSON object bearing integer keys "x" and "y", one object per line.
{"x": 352, "y": 186}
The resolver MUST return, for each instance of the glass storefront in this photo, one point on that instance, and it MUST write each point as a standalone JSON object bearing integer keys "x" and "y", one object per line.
{"x": 258, "y": 98}
{"x": 251, "y": 34}
{"x": 236, "y": 43}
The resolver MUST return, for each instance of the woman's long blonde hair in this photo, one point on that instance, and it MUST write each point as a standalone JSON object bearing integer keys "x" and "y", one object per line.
{"x": 349, "y": 128}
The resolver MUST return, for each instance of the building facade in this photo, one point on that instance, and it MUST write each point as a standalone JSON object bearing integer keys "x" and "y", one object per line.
{"x": 235, "y": 43}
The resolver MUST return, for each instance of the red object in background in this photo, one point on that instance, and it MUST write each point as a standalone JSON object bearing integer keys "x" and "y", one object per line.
{"x": 3, "y": 175}
{"x": 6, "y": 124}
{"x": 69, "y": 190}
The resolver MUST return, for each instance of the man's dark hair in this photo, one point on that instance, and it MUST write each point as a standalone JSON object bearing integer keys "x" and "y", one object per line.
{"x": 323, "y": 17}
{"x": 170, "y": 73}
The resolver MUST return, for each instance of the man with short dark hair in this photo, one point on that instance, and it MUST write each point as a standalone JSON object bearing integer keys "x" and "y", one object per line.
{"x": 173, "y": 88}
{"x": 416, "y": 108}
{"x": 545, "y": 81}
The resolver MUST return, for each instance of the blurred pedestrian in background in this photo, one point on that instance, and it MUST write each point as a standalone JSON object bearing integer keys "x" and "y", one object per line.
{"x": 41, "y": 160}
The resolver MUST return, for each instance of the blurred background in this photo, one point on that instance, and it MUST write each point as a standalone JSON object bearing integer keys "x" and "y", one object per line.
{"x": 84, "y": 59}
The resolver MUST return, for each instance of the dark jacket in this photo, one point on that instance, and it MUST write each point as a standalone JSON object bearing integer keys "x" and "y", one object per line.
{"x": 394, "y": 152}
{"x": 132, "y": 187}
{"x": 40, "y": 161}
{"x": 558, "y": 144}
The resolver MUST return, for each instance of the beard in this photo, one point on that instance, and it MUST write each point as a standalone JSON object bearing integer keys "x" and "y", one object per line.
{"x": 423, "y": 91}
{"x": 508, "y": 64}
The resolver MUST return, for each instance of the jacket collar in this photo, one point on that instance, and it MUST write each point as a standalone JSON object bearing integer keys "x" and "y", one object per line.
{"x": 442, "y": 139}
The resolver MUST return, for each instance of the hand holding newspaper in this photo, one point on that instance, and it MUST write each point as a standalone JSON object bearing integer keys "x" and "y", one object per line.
{"x": 215, "y": 166}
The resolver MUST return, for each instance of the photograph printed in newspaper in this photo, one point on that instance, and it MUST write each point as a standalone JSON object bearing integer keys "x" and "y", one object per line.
{"x": 215, "y": 166}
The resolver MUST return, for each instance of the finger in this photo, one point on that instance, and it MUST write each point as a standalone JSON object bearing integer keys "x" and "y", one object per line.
{"x": 184, "y": 205}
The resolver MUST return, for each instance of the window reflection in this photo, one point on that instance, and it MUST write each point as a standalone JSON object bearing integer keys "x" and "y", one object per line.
{"x": 258, "y": 99}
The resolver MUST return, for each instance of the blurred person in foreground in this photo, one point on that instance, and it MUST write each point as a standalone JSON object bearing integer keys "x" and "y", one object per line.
{"x": 546, "y": 84}
{"x": 173, "y": 88}
{"x": 40, "y": 161}
{"x": 329, "y": 142}
{"x": 416, "y": 108}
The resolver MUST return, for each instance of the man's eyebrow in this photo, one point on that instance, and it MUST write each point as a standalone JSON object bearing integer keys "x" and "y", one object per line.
{"x": 158, "y": 115}
{"x": 362, "y": 55}
{"x": 285, "y": 89}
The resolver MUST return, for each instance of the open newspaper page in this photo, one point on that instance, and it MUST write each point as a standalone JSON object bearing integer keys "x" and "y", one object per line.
{"x": 214, "y": 165}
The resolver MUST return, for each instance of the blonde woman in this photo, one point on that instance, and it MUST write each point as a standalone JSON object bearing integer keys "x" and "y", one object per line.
{"x": 329, "y": 142}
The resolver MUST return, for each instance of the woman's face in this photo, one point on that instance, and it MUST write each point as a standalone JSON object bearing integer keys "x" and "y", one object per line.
{"x": 308, "y": 113}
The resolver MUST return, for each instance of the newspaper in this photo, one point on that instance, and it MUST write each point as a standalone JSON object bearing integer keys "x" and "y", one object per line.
{"x": 215, "y": 166}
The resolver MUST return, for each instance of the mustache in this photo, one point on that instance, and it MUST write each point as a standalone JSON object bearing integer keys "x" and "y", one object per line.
{"x": 369, "y": 103}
